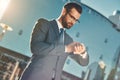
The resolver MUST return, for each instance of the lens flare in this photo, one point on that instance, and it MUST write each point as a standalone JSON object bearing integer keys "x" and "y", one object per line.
{"x": 3, "y": 6}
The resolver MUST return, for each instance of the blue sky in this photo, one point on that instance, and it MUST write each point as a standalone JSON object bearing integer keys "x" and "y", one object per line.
{"x": 22, "y": 14}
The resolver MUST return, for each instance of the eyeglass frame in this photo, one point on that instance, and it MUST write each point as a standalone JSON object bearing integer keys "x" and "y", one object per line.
{"x": 73, "y": 17}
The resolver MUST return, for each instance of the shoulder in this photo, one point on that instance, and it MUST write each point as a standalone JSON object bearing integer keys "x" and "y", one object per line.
{"x": 42, "y": 20}
{"x": 42, "y": 25}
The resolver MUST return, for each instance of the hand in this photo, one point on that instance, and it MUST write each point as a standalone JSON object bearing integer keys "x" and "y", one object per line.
{"x": 79, "y": 48}
{"x": 75, "y": 47}
{"x": 70, "y": 47}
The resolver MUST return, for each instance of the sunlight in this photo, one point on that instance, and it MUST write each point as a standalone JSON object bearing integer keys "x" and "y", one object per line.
{"x": 3, "y": 6}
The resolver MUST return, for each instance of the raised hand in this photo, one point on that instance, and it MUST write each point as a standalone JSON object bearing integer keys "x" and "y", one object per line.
{"x": 75, "y": 47}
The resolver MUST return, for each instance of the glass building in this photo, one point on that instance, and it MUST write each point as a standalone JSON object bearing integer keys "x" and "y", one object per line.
{"x": 94, "y": 30}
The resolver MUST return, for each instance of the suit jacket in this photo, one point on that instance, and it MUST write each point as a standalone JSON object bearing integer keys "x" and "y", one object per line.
{"x": 48, "y": 54}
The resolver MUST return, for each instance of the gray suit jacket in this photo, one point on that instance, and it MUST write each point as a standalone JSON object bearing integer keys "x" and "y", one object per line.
{"x": 48, "y": 54}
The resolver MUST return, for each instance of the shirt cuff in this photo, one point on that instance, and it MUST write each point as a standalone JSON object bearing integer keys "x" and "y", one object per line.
{"x": 84, "y": 55}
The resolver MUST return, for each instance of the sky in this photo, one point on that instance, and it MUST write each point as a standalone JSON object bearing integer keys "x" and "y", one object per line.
{"x": 19, "y": 11}
{"x": 21, "y": 15}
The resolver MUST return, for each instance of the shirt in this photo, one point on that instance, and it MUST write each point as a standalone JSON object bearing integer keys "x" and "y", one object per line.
{"x": 59, "y": 25}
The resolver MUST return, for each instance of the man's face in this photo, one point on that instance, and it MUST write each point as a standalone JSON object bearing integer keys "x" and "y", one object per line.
{"x": 70, "y": 18}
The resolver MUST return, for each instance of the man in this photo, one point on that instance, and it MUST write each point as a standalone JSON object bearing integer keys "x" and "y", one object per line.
{"x": 50, "y": 47}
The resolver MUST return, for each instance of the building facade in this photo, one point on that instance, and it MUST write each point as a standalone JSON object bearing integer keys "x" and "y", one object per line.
{"x": 12, "y": 64}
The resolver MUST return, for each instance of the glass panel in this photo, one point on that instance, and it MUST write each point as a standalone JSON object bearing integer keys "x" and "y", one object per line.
{"x": 94, "y": 30}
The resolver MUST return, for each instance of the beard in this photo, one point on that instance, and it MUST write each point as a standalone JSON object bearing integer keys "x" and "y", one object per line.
{"x": 64, "y": 23}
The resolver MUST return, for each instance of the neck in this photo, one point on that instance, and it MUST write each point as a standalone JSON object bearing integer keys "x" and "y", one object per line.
{"x": 60, "y": 20}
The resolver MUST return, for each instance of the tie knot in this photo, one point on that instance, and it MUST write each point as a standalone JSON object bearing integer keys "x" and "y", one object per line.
{"x": 62, "y": 30}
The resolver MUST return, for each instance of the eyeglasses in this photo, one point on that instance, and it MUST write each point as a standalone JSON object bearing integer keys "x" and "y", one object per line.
{"x": 76, "y": 20}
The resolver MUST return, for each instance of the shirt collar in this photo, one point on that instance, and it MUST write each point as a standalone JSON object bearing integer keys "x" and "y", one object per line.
{"x": 59, "y": 25}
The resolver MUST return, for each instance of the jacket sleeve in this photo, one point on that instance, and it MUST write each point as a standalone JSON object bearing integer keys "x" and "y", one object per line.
{"x": 37, "y": 44}
{"x": 78, "y": 58}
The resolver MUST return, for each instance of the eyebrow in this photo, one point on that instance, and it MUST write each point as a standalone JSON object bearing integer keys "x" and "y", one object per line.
{"x": 74, "y": 18}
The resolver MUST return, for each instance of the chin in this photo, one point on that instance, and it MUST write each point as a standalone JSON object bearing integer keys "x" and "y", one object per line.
{"x": 68, "y": 27}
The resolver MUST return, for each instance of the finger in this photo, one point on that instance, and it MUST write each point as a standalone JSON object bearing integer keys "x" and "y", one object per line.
{"x": 75, "y": 48}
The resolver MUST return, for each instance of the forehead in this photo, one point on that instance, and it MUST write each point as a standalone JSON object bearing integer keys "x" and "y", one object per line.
{"x": 75, "y": 13}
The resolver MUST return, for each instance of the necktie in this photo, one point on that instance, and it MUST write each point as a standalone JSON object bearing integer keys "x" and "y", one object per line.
{"x": 61, "y": 36}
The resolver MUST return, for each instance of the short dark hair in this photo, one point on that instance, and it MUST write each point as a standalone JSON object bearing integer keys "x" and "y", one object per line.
{"x": 68, "y": 6}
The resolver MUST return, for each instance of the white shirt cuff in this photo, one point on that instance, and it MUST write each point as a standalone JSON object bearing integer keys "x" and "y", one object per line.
{"x": 84, "y": 55}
